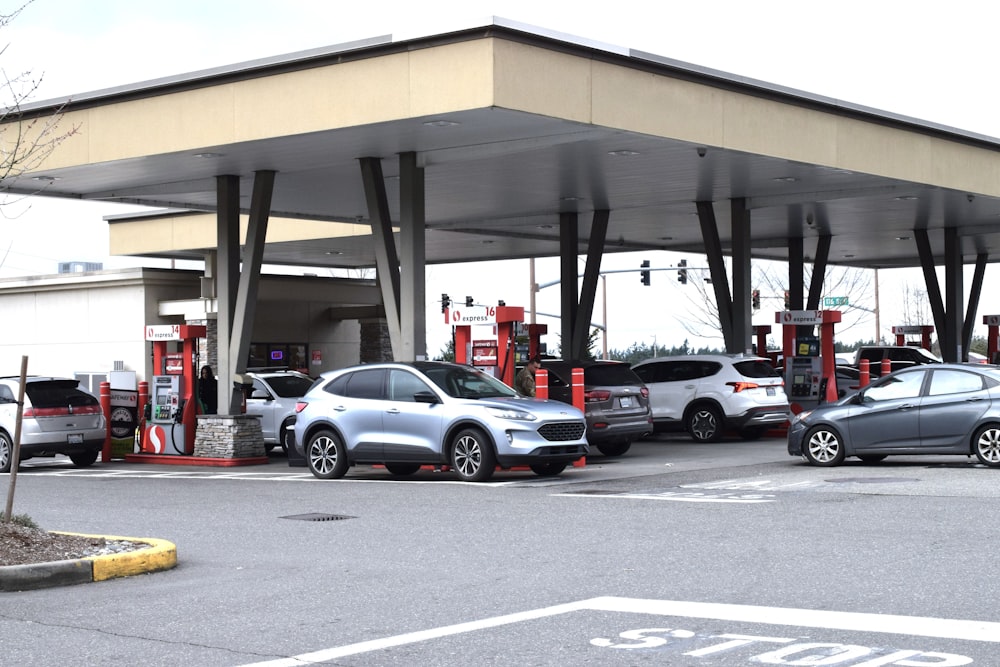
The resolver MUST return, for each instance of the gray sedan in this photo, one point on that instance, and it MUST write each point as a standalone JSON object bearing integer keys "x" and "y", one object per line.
{"x": 930, "y": 409}
{"x": 408, "y": 415}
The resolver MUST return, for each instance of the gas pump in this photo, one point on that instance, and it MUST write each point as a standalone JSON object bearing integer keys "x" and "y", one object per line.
{"x": 810, "y": 363}
{"x": 504, "y": 320}
{"x": 170, "y": 413}
{"x": 923, "y": 330}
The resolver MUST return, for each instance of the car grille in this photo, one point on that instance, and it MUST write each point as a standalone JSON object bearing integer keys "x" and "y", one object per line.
{"x": 562, "y": 431}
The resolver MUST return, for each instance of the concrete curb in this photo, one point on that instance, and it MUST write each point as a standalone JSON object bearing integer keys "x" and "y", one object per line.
{"x": 160, "y": 555}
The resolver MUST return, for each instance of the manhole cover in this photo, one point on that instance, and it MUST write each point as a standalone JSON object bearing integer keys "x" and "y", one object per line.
{"x": 318, "y": 517}
{"x": 871, "y": 480}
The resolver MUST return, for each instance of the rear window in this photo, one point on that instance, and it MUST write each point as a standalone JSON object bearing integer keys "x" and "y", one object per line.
{"x": 756, "y": 369}
{"x": 610, "y": 374}
{"x": 58, "y": 394}
{"x": 290, "y": 386}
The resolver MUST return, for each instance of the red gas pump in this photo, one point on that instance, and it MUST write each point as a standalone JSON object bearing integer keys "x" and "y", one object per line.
{"x": 992, "y": 323}
{"x": 170, "y": 416}
{"x": 923, "y": 330}
{"x": 810, "y": 362}
{"x": 504, "y": 320}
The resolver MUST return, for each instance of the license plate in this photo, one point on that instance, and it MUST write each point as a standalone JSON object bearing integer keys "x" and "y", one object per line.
{"x": 625, "y": 401}
{"x": 75, "y": 438}
{"x": 770, "y": 391}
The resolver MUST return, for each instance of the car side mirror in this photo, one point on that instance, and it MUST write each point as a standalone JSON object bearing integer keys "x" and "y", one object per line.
{"x": 425, "y": 397}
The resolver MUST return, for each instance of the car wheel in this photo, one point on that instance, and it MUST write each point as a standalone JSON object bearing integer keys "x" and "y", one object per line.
{"x": 547, "y": 469}
{"x": 823, "y": 447}
{"x": 614, "y": 448}
{"x": 752, "y": 433}
{"x": 987, "y": 445}
{"x": 6, "y": 452}
{"x": 402, "y": 468}
{"x": 704, "y": 423}
{"x": 286, "y": 437}
{"x": 472, "y": 455}
{"x": 873, "y": 458}
{"x": 83, "y": 459}
{"x": 326, "y": 455}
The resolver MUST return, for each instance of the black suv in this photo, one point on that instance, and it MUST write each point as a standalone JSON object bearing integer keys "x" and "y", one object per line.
{"x": 616, "y": 401}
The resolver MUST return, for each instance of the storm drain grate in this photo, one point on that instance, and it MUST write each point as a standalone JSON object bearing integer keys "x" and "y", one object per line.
{"x": 314, "y": 516}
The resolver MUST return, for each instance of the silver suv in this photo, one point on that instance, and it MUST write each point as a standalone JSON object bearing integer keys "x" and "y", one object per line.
{"x": 59, "y": 417}
{"x": 706, "y": 394}
{"x": 273, "y": 398}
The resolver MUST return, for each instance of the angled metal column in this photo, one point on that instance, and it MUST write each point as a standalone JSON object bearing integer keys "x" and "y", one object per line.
{"x": 975, "y": 291}
{"x": 930, "y": 280}
{"x": 412, "y": 261}
{"x": 742, "y": 311}
{"x": 717, "y": 270}
{"x": 588, "y": 290}
{"x": 568, "y": 249}
{"x": 386, "y": 259}
{"x": 246, "y": 294}
{"x": 951, "y": 337}
{"x": 796, "y": 273}
{"x": 227, "y": 227}
{"x": 820, "y": 262}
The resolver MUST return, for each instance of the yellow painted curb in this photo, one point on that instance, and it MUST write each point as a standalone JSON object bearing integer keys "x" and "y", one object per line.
{"x": 161, "y": 555}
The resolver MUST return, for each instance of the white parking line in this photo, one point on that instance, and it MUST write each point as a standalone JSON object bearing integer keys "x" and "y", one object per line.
{"x": 980, "y": 631}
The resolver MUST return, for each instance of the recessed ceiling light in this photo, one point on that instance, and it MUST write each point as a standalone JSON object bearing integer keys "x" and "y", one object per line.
{"x": 848, "y": 256}
{"x": 545, "y": 226}
{"x": 902, "y": 238}
{"x": 571, "y": 198}
{"x": 666, "y": 238}
{"x": 441, "y": 123}
{"x": 786, "y": 179}
{"x": 207, "y": 156}
{"x": 333, "y": 252}
{"x": 906, "y": 198}
{"x": 623, "y": 153}
{"x": 488, "y": 242}
{"x": 45, "y": 178}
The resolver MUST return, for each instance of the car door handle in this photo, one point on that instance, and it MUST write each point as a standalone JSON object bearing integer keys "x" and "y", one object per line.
{"x": 339, "y": 408}
{"x": 974, "y": 399}
{"x": 393, "y": 411}
{"x": 907, "y": 406}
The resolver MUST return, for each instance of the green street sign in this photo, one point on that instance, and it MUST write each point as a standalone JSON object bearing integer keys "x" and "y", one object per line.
{"x": 833, "y": 301}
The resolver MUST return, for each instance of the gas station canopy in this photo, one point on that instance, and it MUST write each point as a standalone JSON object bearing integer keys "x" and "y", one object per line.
{"x": 515, "y": 126}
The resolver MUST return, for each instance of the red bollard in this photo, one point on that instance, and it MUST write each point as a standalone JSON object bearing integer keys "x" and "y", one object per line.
{"x": 576, "y": 384}
{"x": 541, "y": 383}
{"x": 105, "y": 397}
{"x": 864, "y": 373}
{"x": 143, "y": 399}
{"x": 886, "y": 367}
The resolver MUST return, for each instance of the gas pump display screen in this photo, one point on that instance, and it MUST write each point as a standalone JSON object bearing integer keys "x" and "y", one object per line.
{"x": 163, "y": 399}
{"x": 798, "y": 379}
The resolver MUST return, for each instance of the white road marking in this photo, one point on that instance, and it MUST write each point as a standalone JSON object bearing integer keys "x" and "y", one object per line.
{"x": 917, "y": 626}
{"x": 682, "y": 497}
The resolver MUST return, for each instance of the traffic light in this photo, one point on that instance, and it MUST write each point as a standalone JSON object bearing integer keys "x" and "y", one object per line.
{"x": 682, "y": 274}
{"x": 445, "y": 302}
{"x": 788, "y": 301}
{"x": 645, "y": 274}
{"x": 468, "y": 302}
{"x": 755, "y": 299}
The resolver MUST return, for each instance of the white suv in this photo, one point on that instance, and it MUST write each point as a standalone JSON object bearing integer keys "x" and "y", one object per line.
{"x": 705, "y": 394}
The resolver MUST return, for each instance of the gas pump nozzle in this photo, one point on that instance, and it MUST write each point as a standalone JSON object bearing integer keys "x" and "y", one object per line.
{"x": 179, "y": 412}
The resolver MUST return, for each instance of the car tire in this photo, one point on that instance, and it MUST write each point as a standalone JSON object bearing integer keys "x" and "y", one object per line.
{"x": 402, "y": 468}
{"x": 823, "y": 446}
{"x": 472, "y": 456}
{"x": 6, "y": 452}
{"x": 286, "y": 436}
{"x": 704, "y": 424}
{"x": 547, "y": 469}
{"x": 873, "y": 458}
{"x": 84, "y": 459}
{"x": 614, "y": 448}
{"x": 752, "y": 433}
{"x": 986, "y": 444}
{"x": 326, "y": 455}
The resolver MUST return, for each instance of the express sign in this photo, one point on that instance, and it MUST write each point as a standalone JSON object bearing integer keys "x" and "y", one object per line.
{"x": 163, "y": 332}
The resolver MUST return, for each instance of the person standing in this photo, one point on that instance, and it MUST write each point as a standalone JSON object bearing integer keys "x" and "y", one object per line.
{"x": 524, "y": 383}
{"x": 208, "y": 391}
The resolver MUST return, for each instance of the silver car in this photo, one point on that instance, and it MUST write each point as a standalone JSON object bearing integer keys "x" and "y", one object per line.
{"x": 406, "y": 415}
{"x": 273, "y": 398}
{"x": 59, "y": 417}
{"x": 927, "y": 409}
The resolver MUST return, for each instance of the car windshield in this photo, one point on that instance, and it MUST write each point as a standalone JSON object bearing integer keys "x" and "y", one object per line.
{"x": 460, "y": 382}
{"x": 290, "y": 386}
{"x": 616, "y": 375}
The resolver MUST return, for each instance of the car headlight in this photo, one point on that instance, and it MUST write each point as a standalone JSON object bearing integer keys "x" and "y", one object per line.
{"x": 803, "y": 416}
{"x": 511, "y": 413}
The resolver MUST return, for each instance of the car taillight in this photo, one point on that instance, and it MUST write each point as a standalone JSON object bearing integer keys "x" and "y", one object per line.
{"x": 596, "y": 395}
{"x": 741, "y": 386}
{"x": 300, "y": 406}
{"x": 645, "y": 392}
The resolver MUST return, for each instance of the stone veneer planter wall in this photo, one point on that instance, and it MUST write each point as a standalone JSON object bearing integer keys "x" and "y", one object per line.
{"x": 228, "y": 437}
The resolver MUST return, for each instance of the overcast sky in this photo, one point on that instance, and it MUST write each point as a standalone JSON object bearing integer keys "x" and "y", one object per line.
{"x": 929, "y": 60}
